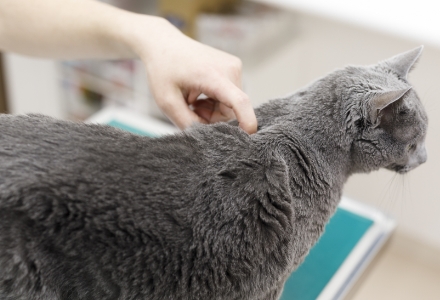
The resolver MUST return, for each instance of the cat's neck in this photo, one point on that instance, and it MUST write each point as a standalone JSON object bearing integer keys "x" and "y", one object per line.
{"x": 314, "y": 121}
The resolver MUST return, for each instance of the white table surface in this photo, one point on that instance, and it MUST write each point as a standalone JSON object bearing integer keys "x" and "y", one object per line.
{"x": 415, "y": 20}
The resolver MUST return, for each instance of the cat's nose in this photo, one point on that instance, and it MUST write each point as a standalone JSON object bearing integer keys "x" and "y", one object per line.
{"x": 423, "y": 155}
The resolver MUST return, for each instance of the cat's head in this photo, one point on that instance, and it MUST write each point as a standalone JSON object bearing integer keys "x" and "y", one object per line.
{"x": 385, "y": 115}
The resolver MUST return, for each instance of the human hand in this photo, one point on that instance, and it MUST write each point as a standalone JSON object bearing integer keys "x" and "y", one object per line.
{"x": 180, "y": 69}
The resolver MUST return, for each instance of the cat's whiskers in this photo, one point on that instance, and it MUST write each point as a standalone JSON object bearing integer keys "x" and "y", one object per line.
{"x": 407, "y": 200}
{"x": 398, "y": 194}
{"x": 395, "y": 192}
{"x": 401, "y": 199}
{"x": 386, "y": 193}
{"x": 401, "y": 194}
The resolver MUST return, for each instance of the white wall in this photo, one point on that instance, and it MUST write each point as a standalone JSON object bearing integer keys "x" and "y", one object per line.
{"x": 32, "y": 86}
{"x": 322, "y": 46}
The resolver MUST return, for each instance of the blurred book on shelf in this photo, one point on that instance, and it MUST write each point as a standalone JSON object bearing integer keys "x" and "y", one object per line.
{"x": 252, "y": 31}
{"x": 184, "y": 13}
{"x": 91, "y": 85}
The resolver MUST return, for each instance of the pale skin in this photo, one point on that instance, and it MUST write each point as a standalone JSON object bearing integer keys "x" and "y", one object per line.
{"x": 179, "y": 69}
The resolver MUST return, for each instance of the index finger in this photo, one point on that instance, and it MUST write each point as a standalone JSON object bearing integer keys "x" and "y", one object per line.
{"x": 229, "y": 94}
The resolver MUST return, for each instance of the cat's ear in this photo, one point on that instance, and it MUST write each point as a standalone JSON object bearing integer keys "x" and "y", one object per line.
{"x": 380, "y": 101}
{"x": 403, "y": 63}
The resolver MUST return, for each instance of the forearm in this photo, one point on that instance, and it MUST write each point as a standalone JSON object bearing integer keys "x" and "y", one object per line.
{"x": 69, "y": 29}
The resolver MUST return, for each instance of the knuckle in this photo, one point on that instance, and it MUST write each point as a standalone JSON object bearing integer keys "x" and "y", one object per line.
{"x": 236, "y": 63}
{"x": 208, "y": 76}
{"x": 243, "y": 99}
{"x": 235, "y": 67}
{"x": 201, "y": 72}
{"x": 163, "y": 104}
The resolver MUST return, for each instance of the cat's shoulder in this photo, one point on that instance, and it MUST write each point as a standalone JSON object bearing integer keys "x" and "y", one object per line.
{"x": 236, "y": 147}
{"x": 243, "y": 158}
{"x": 220, "y": 133}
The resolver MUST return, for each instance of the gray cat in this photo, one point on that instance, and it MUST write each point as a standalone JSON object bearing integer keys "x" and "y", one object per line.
{"x": 91, "y": 212}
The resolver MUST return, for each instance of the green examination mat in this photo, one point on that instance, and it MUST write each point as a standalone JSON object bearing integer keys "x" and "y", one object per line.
{"x": 342, "y": 233}
{"x": 131, "y": 129}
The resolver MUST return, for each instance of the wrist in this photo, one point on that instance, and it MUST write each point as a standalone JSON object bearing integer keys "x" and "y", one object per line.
{"x": 142, "y": 36}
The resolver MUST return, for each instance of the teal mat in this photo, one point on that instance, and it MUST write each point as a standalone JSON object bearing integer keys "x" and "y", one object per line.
{"x": 131, "y": 129}
{"x": 342, "y": 233}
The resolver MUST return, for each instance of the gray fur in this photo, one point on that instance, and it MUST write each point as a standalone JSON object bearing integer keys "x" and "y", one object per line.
{"x": 91, "y": 212}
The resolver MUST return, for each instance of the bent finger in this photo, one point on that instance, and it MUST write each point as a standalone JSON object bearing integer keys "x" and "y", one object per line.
{"x": 227, "y": 93}
{"x": 176, "y": 109}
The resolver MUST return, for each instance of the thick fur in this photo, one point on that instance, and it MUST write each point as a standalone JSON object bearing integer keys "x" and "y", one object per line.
{"x": 91, "y": 212}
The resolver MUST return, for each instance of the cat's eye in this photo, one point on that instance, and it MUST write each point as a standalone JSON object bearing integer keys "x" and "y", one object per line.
{"x": 403, "y": 112}
{"x": 412, "y": 147}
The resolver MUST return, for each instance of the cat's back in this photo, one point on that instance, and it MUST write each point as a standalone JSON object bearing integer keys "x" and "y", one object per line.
{"x": 33, "y": 145}
{"x": 98, "y": 189}
{"x": 31, "y": 136}
{"x": 38, "y": 150}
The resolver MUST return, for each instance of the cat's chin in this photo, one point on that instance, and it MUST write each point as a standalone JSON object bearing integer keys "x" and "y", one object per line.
{"x": 401, "y": 169}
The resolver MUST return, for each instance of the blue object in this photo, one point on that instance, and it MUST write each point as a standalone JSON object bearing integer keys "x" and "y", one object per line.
{"x": 342, "y": 233}
{"x": 128, "y": 128}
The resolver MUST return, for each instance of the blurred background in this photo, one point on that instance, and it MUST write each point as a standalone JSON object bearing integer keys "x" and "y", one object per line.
{"x": 284, "y": 45}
